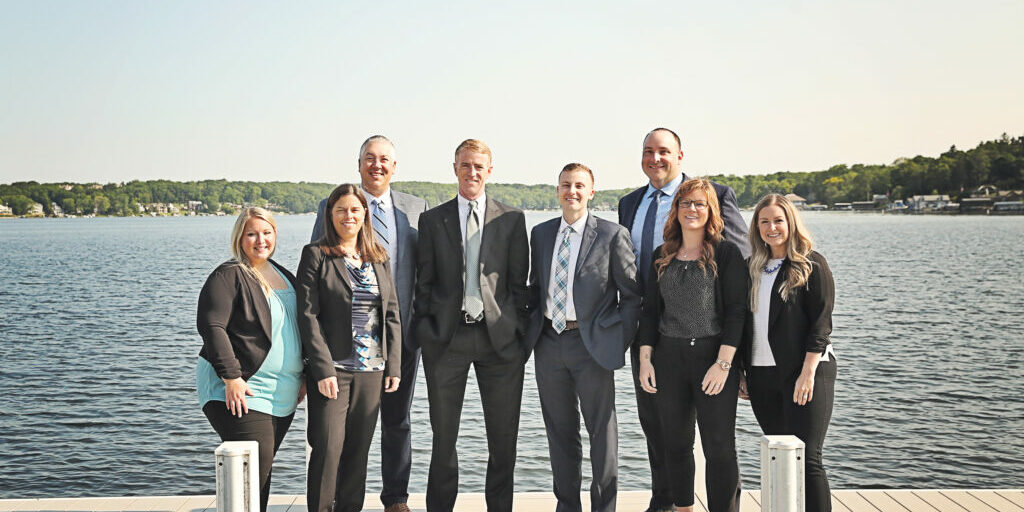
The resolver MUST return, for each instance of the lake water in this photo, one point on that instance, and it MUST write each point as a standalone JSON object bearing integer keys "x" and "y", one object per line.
{"x": 98, "y": 348}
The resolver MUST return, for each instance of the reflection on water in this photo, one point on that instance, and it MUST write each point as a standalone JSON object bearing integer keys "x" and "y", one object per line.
{"x": 98, "y": 346}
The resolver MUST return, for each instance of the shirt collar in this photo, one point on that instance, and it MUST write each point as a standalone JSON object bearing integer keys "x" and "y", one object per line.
{"x": 384, "y": 198}
{"x": 464, "y": 203}
{"x": 669, "y": 189}
{"x": 577, "y": 226}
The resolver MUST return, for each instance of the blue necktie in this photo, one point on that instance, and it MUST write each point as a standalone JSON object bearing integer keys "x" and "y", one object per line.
{"x": 379, "y": 226}
{"x": 647, "y": 238}
{"x": 561, "y": 296}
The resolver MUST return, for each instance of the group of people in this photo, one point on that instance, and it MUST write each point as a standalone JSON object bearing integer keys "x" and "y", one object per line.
{"x": 707, "y": 312}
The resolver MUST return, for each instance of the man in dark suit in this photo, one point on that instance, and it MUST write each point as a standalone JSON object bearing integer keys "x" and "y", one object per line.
{"x": 644, "y": 212}
{"x": 395, "y": 216}
{"x": 584, "y": 307}
{"x": 470, "y": 309}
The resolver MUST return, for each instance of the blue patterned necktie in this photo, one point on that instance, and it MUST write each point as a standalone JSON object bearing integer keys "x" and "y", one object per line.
{"x": 561, "y": 283}
{"x": 647, "y": 236}
{"x": 379, "y": 226}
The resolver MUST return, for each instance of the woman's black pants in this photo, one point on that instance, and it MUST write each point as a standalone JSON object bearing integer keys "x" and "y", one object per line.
{"x": 340, "y": 433}
{"x": 265, "y": 429}
{"x": 771, "y": 398}
{"x": 679, "y": 367}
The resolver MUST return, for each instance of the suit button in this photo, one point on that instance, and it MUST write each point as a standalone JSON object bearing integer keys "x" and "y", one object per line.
{"x": 692, "y": 341}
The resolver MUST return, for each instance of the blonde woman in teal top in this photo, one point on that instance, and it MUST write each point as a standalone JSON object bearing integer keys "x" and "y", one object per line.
{"x": 249, "y": 375}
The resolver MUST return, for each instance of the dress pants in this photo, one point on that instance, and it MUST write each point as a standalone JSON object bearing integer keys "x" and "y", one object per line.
{"x": 771, "y": 398}
{"x": 647, "y": 410}
{"x": 396, "y": 433}
{"x": 679, "y": 368}
{"x": 265, "y": 429}
{"x": 340, "y": 432}
{"x": 570, "y": 380}
{"x": 500, "y": 378}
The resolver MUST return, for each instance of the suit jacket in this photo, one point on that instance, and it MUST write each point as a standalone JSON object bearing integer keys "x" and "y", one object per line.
{"x": 440, "y": 263}
{"x": 605, "y": 292}
{"x": 324, "y": 298}
{"x": 735, "y": 228}
{"x": 799, "y": 325}
{"x": 731, "y": 295}
{"x": 407, "y": 215}
{"x": 233, "y": 319}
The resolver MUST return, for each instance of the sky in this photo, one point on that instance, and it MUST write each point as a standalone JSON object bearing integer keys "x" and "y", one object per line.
{"x": 112, "y": 91}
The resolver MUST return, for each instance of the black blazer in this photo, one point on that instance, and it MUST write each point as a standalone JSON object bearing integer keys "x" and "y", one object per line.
{"x": 233, "y": 318}
{"x": 440, "y": 262}
{"x": 324, "y": 295}
{"x": 731, "y": 292}
{"x": 735, "y": 229}
{"x": 800, "y": 325}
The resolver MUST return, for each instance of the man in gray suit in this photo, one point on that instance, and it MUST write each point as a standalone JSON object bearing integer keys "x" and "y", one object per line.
{"x": 395, "y": 216}
{"x": 584, "y": 307}
{"x": 472, "y": 262}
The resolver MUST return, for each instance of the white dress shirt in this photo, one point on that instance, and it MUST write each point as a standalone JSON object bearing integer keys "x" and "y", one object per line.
{"x": 388, "y": 206}
{"x": 664, "y": 205}
{"x": 481, "y": 202}
{"x": 575, "y": 240}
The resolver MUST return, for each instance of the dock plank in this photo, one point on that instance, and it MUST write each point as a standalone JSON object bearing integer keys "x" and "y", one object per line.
{"x": 854, "y": 501}
{"x": 939, "y": 501}
{"x": 967, "y": 501}
{"x": 911, "y": 501}
{"x": 748, "y": 503}
{"x": 994, "y": 500}
{"x": 1012, "y": 495}
{"x": 837, "y": 506}
{"x": 197, "y": 504}
{"x": 883, "y": 502}
{"x": 13, "y": 505}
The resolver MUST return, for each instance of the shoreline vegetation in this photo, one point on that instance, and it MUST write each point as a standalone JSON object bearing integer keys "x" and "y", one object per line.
{"x": 985, "y": 179}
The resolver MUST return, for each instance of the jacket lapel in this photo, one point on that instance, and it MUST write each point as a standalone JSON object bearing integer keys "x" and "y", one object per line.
{"x": 491, "y": 212}
{"x": 385, "y": 291}
{"x": 776, "y": 302}
{"x": 340, "y": 269}
{"x": 547, "y": 250}
{"x": 452, "y": 224}
{"x": 589, "y": 235}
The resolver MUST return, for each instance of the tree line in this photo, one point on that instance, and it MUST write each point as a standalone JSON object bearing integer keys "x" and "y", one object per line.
{"x": 998, "y": 162}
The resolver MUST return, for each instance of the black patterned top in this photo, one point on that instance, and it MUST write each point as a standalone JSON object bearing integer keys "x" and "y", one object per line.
{"x": 689, "y": 297}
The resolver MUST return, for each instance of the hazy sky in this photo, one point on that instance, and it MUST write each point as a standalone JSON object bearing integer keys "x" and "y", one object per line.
{"x": 115, "y": 91}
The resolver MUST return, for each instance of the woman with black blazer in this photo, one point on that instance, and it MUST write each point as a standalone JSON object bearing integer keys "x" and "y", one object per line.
{"x": 249, "y": 371}
{"x": 351, "y": 336}
{"x": 691, "y": 325}
{"x": 788, "y": 358}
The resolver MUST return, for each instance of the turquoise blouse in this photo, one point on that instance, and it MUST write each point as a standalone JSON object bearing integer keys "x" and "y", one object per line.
{"x": 276, "y": 384}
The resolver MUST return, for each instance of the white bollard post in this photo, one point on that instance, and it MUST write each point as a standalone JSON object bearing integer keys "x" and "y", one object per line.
{"x": 782, "y": 474}
{"x": 238, "y": 476}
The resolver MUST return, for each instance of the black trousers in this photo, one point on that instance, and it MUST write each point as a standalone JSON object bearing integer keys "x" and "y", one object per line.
{"x": 265, "y": 429}
{"x": 647, "y": 410}
{"x": 500, "y": 378}
{"x": 679, "y": 367}
{"x": 570, "y": 380}
{"x": 340, "y": 432}
{"x": 396, "y": 433}
{"x": 771, "y": 398}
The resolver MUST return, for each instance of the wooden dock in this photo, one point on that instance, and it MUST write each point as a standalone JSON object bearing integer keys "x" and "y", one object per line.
{"x": 995, "y": 500}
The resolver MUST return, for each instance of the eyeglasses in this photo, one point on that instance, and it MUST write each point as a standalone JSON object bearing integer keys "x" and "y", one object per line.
{"x": 686, "y": 204}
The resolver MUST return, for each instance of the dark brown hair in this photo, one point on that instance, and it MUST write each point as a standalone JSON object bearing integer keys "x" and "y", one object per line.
{"x": 674, "y": 231}
{"x": 366, "y": 240}
{"x": 576, "y": 167}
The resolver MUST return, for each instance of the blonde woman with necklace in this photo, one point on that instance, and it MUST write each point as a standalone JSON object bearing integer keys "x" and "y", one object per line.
{"x": 351, "y": 335}
{"x": 788, "y": 358}
{"x": 692, "y": 322}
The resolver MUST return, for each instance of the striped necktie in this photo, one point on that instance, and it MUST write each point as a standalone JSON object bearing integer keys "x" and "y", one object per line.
{"x": 379, "y": 226}
{"x": 561, "y": 296}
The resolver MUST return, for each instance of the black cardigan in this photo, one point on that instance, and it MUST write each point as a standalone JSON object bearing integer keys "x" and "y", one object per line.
{"x": 731, "y": 287}
{"x": 233, "y": 317}
{"x": 800, "y": 325}
{"x": 325, "y": 313}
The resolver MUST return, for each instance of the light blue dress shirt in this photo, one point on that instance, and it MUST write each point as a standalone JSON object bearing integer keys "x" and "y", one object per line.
{"x": 664, "y": 206}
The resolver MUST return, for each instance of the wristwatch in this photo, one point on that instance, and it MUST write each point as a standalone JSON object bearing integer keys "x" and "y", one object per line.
{"x": 726, "y": 365}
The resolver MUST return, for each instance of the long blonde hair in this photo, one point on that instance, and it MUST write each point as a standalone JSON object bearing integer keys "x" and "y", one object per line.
{"x": 237, "y": 232}
{"x": 798, "y": 246}
{"x": 673, "y": 235}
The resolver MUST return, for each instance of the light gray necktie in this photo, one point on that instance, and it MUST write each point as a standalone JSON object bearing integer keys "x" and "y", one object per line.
{"x": 473, "y": 303}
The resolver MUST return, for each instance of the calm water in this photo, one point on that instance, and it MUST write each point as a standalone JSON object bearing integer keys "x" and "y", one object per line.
{"x": 98, "y": 349}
